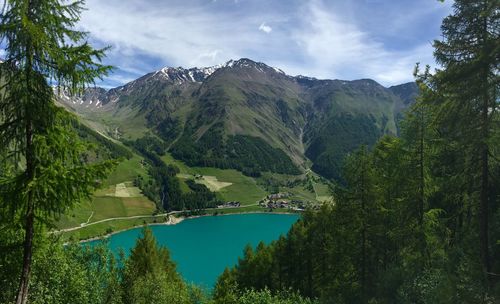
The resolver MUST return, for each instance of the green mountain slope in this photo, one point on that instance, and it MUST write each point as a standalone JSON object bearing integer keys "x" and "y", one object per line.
{"x": 344, "y": 115}
{"x": 248, "y": 116}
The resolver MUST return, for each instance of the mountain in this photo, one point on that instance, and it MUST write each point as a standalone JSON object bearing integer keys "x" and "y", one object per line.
{"x": 248, "y": 116}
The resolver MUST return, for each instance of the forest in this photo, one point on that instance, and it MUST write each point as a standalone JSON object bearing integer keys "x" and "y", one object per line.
{"x": 250, "y": 155}
{"x": 162, "y": 186}
{"x": 415, "y": 218}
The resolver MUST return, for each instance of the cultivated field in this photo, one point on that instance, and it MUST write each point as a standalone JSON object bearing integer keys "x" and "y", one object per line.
{"x": 113, "y": 201}
{"x": 120, "y": 198}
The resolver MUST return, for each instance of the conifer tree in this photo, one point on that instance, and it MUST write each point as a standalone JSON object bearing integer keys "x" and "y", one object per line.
{"x": 470, "y": 55}
{"x": 150, "y": 276}
{"x": 360, "y": 198}
{"x": 43, "y": 49}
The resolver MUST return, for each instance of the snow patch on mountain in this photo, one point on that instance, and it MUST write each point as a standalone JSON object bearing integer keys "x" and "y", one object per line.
{"x": 181, "y": 75}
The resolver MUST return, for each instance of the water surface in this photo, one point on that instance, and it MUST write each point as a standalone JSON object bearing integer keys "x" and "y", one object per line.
{"x": 203, "y": 247}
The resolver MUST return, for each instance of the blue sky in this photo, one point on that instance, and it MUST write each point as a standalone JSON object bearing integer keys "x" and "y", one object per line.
{"x": 334, "y": 39}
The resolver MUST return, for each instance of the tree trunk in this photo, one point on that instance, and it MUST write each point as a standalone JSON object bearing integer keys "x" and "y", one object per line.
{"x": 422, "y": 180}
{"x": 483, "y": 205}
{"x": 363, "y": 229}
{"x": 22, "y": 295}
{"x": 484, "y": 196}
{"x": 421, "y": 185}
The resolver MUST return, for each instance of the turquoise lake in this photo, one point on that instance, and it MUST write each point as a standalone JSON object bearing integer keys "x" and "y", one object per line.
{"x": 203, "y": 247}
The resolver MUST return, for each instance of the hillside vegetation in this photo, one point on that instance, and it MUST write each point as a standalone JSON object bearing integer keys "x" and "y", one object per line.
{"x": 248, "y": 116}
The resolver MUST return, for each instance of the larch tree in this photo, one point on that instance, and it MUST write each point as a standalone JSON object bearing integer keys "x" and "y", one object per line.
{"x": 150, "y": 276}
{"x": 417, "y": 138}
{"x": 43, "y": 50}
{"x": 360, "y": 198}
{"x": 470, "y": 55}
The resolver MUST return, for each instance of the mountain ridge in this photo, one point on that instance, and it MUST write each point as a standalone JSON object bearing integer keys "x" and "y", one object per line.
{"x": 205, "y": 114}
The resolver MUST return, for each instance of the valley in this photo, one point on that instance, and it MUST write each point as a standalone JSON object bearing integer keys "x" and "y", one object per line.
{"x": 223, "y": 116}
{"x": 120, "y": 205}
{"x": 242, "y": 131}
{"x": 143, "y": 162}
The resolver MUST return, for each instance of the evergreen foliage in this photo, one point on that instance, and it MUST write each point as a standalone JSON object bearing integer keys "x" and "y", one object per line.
{"x": 469, "y": 83}
{"x": 250, "y": 155}
{"x": 264, "y": 297}
{"x": 60, "y": 274}
{"x": 416, "y": 219}
{"x": 91, "y": 274}
{"x": 42, "y": 48}
{"x": 163, "y": 187}
{"x": 339, "y": 136}
{"x": 150, "y": 276}
{"x": 104, "y": 148}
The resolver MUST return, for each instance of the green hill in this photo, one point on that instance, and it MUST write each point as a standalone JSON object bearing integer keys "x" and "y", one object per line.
{"x": 247, "y": 116}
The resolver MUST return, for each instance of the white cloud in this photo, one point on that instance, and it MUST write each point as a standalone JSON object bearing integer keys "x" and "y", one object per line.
{"x": 179, "y": 37}
{"x": 265, "y": 28}
{"x": 309, "y": 38}
{"x": 335, "y": 48}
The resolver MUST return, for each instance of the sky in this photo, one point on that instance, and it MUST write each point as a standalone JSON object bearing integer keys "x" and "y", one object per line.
{"x": 326, "y": 39}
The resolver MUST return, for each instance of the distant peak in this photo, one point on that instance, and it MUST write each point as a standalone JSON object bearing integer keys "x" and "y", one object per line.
{"x": 196, "y": 74}
{"x": 367, "y": 82}
{"x": 242, "y": 62}
{"x": 302, "y": 77}
{"x": 248, "y": 63}
{"x": 181, "y": 74}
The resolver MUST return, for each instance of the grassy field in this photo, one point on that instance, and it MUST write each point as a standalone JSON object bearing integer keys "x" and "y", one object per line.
{"x": 246, "y": 189}
{"x": 79, "y": 214}
{"x": 102, "y": 229}
{"x": 126, "y": 171}
{"x": 300, "y": 193}
{"x": 243, "y": 188}
{"x": 212, "y": 183}
{"x": 184, "y": 169}
{"x": 105, "y": 205}
{"x": 298, "y": 190}
{"x": 323, "y": 192}
{"x": 119, "y": 198}
{"x": 229, "y": 184}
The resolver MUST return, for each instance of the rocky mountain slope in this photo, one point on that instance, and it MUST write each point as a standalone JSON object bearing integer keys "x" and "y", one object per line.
{"x": 248, "y": 116}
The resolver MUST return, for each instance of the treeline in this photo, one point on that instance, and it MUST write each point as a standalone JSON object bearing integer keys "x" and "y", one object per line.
{"x": 338, "y": 137}
{"x": 162, "y": 186}
{"x": 417, "y": 218}
{"x": 104, "y": 148}
{"x": 78, "y": 274}
{"x": 386, "y": 239}
{"x": 92, "y": 274}
{"x": 250, "y": 155}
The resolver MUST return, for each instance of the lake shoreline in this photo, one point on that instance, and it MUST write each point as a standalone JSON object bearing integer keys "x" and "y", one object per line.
{"x": 178, "y": 220}
{"x": 210, "y": 243}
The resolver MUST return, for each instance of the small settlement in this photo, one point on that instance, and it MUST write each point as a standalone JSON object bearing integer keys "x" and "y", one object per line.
{"x": 281, "y": 200}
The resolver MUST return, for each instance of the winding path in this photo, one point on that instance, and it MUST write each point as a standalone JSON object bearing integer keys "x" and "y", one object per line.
{"x": 83, "y": 225}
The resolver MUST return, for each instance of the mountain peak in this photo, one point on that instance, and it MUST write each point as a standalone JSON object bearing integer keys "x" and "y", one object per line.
{"x": 248, "y": 63}
{"x": 181, "y": 75}
{"x": 242, "y": 62}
